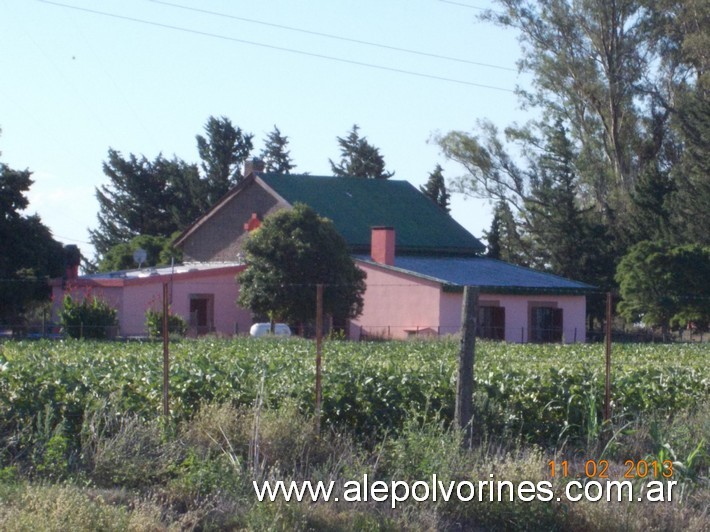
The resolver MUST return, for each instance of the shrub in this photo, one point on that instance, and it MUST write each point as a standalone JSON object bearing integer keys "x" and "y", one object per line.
{"x": 59, "y": 507}
{"x": 177, "y": 326}
{"x": 216, "y": 428}
{"x": 91, "y": 317}
{"x": 136, "y": 456}
{"x": 54, "y": 463}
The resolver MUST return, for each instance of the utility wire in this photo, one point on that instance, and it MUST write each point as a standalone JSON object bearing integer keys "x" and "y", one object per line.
{"x": 332, "y": 36}
{"x": 461, "y": 4}
{"x": 279, "y": 48}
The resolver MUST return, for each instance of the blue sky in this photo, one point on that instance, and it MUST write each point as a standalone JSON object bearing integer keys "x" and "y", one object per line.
{"x": 145, "y": 80}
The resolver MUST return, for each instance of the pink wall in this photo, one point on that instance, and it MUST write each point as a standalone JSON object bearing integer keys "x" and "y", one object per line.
{"x": 132, "y": 297}
{"x": 228, "y": 317}
{"x": 516, "y": 314}
{"x": 396, "y": 305}
{"x": 111, "y": 293}
{"x": 396, "y": 302}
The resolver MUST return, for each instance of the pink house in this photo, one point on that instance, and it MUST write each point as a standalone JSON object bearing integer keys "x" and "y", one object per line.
{"x": 422, "y": 295}
{"x": 417, "y": 259}
{"x": 414, "y": 284}
{"x": 203, "y": 294}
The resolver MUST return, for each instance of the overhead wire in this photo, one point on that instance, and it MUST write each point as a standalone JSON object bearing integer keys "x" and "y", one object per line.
{"x": 333, "y": 36}
{"x": 461, "y": 4}
{"x": 274, "y": 47}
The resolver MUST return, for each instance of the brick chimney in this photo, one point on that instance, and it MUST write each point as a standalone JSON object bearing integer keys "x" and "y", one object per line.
{"x": 382, "y": 245}
{"x": 253, "y": 166}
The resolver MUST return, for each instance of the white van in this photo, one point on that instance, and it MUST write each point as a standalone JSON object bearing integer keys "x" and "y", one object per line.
{"x": 262, "y": 329}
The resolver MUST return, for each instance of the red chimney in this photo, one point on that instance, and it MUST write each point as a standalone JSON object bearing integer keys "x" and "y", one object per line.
{"x": 382, "y": 245}
{"x": 252, "y": 223}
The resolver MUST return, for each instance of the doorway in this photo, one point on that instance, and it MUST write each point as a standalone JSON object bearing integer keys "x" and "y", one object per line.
{"x": 202, "y": 313}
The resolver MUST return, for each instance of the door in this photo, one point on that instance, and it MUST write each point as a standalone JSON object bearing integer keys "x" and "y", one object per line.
{"x": 201, "y": 313}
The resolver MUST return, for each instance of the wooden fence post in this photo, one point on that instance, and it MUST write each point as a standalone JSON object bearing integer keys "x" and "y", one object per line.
{"x": 166, "y": 353}
{"x": 467, "y": 354}
{"x": 319, "y": 350}
{"x": 607, "y": 372}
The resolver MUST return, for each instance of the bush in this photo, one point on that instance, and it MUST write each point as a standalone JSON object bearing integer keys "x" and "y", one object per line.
{"x": 91, "y": 317}
{"x": 137, "y": 456}
{"x": 154, "y": 324}
{"x": 57, "y": 507}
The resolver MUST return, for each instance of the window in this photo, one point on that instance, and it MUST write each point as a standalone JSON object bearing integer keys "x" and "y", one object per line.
{"x": 491, "y": 322}
{"x": 545, "y": 324}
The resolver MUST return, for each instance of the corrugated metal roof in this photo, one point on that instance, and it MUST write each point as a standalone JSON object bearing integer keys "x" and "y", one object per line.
{"x": 491, "y": 274}
{"x": 149, "y": 271}
{"x": 355, "y": 205}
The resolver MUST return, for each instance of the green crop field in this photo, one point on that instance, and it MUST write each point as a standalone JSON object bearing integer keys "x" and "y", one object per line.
{"x": 84, "y": 411}
{"x": 535, "y": 391}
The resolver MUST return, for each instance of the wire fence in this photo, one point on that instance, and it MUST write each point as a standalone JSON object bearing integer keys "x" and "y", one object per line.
{"x": 487, "y": 332}
{"x": 55, "y": 331}
{"x": 531, "y": 335}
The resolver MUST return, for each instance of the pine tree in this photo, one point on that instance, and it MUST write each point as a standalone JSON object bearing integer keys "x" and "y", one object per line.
{"x": 277, "y": 159}
{"x": 223, "y": 152}
{"x": 554, "y": 221}
{"x": 691, "y": 205}
{"x": 145, "y": 197}
{"x": 358, "y": 158}
{"x": 504, "y": 240}
{"x": 494, "y": 235}
{"x": 562, "y": 236}
{"x": 435, "y": 188}
{"x": 650, "y": 212}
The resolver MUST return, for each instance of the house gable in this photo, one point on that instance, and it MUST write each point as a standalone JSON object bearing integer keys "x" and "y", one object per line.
{"x": 218, "y": 236}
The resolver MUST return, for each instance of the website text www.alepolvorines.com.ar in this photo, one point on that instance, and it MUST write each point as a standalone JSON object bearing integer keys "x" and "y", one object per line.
{"x": 397, "y": 491}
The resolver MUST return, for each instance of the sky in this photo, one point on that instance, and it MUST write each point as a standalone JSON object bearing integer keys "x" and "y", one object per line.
{"x": 142, "y": 76}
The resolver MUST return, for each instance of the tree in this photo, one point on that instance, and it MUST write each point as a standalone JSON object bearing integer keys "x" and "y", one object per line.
{"x": 624, "y": 81}
{"x": 276, "y": 157}
{"x": 162, "y": 196}
{"x": 359, "y": 158}
{"x": 145, "y": 197}
{"x": 223, "y": 151}
{"x": 691, "y": 276}
{"x": 660, "y": 285}
{"x": 558, "y": 230}
{"x": 158, "y": 249}
{"x": 591, "y": 66}
{"x": 28, "y": 253}
{"x": 435, "y": 188}
{"x": 491, "y": 172}
{"x": 690, "y": 205}
{"x": 288, "y": 256}
{"x": 504, "y": 242}
{"x": 651, "y": 209}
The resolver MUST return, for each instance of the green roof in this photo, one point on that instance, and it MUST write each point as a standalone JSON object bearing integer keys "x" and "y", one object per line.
{"x": 356, "y": 205}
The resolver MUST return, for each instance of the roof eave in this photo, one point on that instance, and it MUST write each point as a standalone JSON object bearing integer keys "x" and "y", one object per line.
{"x": 524, "y": 290}
{"x": 423, "y": 251}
